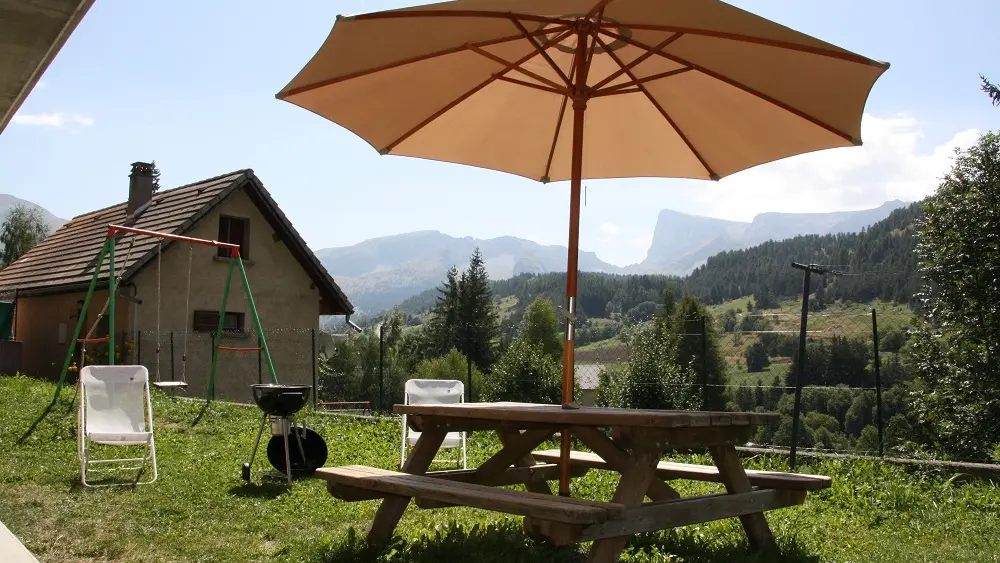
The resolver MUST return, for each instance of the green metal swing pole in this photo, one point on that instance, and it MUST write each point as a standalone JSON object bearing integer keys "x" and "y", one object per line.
{"x": 83, "y": 315}
{"x": 218, "y": 332}
{"x": 256, "y": 318}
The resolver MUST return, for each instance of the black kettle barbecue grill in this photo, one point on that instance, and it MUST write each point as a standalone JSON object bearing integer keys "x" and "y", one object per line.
{"x": 279, "y": 404}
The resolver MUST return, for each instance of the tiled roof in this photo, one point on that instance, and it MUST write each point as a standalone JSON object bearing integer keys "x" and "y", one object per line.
{"x": 65, "y": 260}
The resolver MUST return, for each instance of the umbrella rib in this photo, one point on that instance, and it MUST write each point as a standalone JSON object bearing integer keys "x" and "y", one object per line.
{"x": 737, "y": 84}
{"x": 560, "y": 92}
{"x": 593, "y": 44}
{"x": 412, "y": 60}
{"x": 632, "y": 87}
{"x": 539, "y": 49}
{"x": 711, "y": 173}
{"x": 555, "y": 137}
{"x": 638, "y": 60}
{"x": 822, "y": 51}
{"x": 518, "y": 68}
{"x": 468, "y": 94}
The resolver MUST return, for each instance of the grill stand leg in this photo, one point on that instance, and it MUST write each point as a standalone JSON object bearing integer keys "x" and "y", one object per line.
{"x": 288, "y": 464}
{"x": 253, "y": 453}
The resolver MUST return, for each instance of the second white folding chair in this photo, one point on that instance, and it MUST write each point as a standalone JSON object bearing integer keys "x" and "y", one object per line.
{"x": 433, "y": 392}
{"x": 115, "y": 410}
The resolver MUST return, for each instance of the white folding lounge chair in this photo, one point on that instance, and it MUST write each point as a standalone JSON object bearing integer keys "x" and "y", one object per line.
{"x": 115, "y": 409}
{"x": 433, "y": 392}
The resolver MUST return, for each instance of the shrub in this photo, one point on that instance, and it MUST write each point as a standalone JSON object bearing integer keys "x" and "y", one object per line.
{"x": 525, "y": 373}
{"x": 452, "y": 365}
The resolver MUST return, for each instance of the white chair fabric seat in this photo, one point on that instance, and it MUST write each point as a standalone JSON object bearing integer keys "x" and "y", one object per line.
{"x": 115, "y": 410}
{"x": 119, "y": 438}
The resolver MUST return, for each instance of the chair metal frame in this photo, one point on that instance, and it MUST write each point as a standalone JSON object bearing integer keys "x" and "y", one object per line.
{"x": 83, "y": 436}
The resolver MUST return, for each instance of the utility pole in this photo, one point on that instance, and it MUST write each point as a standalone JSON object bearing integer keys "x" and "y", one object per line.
{"x": 800, "y": 364}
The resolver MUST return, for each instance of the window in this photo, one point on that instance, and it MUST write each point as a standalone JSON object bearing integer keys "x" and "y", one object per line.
{"x": 235, "y": 230}
{"x": 208, "y": 321}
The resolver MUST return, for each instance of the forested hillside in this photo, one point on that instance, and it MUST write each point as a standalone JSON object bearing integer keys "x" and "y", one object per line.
{"x": 877, "y": 263}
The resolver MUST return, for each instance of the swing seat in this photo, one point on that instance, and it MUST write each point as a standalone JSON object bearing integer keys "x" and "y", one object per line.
{"x": 170, "y": 384}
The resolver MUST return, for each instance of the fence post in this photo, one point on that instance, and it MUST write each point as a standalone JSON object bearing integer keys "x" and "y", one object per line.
{"x": 878, "y": 384}
{"x": 171, "y": 355}
{"x": 704, "y": 359}
{"x": 468, "y": 364}
{"x": 313, "y": 362}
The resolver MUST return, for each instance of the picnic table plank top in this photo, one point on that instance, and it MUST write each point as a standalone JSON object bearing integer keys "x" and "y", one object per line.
{"x": 588, "y": 416}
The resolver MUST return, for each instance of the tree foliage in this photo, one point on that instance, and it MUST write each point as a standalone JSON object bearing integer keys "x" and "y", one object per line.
{"x": 541, "y": 326}
{"x": 454, "y": 366}
{"x": 22, "y": 229}
{"x": 525, "y": 373}
{"x": 956, "y": 352}
{"x": 992, "y": 90}
{"x": 156, "y": 176}
{"x": 465, "y": 316}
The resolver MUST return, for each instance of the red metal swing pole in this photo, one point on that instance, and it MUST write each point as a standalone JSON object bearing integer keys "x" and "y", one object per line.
{"x": 114, "y": 229}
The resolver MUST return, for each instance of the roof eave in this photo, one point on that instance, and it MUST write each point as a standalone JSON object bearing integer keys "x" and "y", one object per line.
{"x": 81, "y": 9}
{"x": 335, "y": 301}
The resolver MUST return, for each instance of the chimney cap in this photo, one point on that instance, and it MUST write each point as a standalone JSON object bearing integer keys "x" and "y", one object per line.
{"x": 142, "y": 169}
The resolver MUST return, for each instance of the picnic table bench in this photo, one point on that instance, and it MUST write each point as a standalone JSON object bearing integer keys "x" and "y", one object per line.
{"x": 637, "y": 442}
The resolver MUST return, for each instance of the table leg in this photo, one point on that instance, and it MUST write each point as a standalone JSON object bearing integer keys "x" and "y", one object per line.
{"x": 392, "y": 508}
{"x": 638, "y": 473}
{"x": 734, "y": 477}
{"x": 514, "y": 439}
{"x": 617, "y": 459}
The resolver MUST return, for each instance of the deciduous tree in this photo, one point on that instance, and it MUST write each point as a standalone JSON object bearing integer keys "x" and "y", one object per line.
{"x": 22, "y": 229}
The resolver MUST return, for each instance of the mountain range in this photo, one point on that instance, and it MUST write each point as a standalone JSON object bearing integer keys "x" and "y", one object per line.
{"x": 379, "y": 273}
{"x": 682, "y": 242}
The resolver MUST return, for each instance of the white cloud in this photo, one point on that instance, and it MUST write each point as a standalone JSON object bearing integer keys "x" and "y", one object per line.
{"x": 889, "y": 166}
{"x": 59, "y": 120}
{"x": 609, "y": 228}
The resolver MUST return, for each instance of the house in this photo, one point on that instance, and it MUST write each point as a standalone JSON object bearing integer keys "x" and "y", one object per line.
{"x": 289, "y": 285}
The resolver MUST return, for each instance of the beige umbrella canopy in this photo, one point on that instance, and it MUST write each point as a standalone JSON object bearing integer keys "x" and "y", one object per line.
{"x": 571, "y": 89}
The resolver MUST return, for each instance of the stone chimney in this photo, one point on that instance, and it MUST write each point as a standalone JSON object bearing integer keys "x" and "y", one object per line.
{"x": 140, "y": 187}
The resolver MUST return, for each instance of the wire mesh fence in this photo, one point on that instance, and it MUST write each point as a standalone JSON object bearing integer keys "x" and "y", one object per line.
{"x": 739, "y": 360}
{"x": 187, "y": 357}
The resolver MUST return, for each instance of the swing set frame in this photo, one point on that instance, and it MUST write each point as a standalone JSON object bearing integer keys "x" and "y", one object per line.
{"x": 108, "y": 251}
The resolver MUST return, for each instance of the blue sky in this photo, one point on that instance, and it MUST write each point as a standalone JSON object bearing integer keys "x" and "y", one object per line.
{"x": 191, "y": 84}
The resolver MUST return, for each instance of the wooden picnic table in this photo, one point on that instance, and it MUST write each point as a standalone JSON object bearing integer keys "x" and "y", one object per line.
{"x": 638, "y": 440}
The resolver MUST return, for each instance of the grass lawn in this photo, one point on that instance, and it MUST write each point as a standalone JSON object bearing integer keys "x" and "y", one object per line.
{"x": 200, "y": 509}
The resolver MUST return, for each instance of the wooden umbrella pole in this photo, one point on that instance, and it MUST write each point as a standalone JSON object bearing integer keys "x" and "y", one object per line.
{"x": 576, "y": 171}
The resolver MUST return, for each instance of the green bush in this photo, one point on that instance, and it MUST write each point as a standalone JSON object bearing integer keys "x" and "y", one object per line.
{"x": 525, "y": 373}
{"x": 452, "y": 365}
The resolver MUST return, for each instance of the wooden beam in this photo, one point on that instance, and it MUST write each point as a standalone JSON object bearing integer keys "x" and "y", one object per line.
{"x": 651, "y": 517}
{"x": 735, "y": 478}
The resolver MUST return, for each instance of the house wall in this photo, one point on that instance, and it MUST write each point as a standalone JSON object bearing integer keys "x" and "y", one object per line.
{"x": 286, "y": 299}
{"x": 45, "y": 326}
{"x": 287, "y": 303}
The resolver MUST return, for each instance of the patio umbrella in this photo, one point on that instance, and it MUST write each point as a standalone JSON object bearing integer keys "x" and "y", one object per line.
{"x": 557, "y": 90}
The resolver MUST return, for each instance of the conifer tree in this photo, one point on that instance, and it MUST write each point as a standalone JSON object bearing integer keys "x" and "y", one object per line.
{"x": 478, "y": 321}
{"x": 442, "y": 330}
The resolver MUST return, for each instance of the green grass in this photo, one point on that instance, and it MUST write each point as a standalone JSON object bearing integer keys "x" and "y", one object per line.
{"x": 200, "y": 509}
